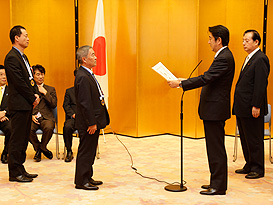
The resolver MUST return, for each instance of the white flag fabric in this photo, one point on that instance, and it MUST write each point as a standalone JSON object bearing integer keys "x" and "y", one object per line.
{"x": 99, "y": 46}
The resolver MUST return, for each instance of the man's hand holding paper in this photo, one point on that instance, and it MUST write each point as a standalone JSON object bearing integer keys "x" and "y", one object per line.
{"x": 175, "y": 83}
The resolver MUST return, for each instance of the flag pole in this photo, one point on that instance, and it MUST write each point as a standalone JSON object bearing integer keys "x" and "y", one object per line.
{"x": 76, "y": 31}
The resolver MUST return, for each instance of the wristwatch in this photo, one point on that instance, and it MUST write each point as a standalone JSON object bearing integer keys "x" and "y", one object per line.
{"x": 180, "y": 84}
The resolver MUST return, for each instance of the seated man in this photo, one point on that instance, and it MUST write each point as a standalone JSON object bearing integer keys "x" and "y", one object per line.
{"x": 69, "y": 106}
{"x": 5, "y": 124}
{"x": 42, "y": 116}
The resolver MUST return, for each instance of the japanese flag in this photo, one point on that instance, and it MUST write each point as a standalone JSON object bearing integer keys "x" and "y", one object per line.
{"x": 99, "y": 46}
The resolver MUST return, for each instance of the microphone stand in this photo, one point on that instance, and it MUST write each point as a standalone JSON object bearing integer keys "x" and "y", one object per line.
{"x": 180, "y": 187}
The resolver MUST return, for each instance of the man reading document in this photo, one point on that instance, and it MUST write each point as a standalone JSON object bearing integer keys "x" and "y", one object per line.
{"x": 214, "y": 106}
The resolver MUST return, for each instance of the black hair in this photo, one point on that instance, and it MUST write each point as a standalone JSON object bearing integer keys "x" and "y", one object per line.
{"x": 255, "y": 35}
{"x": 15, "y": 31}
{"x": 39, "y": 68}
{"x": 220, "y": 31}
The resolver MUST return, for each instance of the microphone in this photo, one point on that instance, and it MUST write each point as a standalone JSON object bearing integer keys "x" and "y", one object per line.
{"x": 195, "y": 68}
{"x": 188, "y": 78}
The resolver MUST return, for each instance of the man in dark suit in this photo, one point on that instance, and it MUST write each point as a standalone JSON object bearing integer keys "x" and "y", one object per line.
{"x": 23, "y": 96}
{"x": 91, "y": 116}
{"x": 69, "y": 106}
{"x": 42, "y": 115}
{"x": 250, "y": 105}
{"x": 214, "y": 106}
{"x": 5, "y": 124}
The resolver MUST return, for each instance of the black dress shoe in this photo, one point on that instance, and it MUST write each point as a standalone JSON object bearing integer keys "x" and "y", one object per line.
{"x": 47, "y": 153}
{"x": 37, "y": 156}
{"x": 69, "y": 156}
{"x": 93, "y": 182}
{"x": 87, "y": 186}
{"x": 212, "y": 191}
{"x": 28, "y": 175}
{"x": 205, "y": 186}
{"x": 253, "y": 175}
{"x": 241, "y": 171}
{"x": 4, "y": 158}
{"x": 21, "y": 178}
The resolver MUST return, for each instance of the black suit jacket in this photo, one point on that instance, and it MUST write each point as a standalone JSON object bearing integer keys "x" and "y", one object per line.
{"x": 4, "y": 102}
{"x": 21, "y": 92}
{"x": 47, "y": 103}
{"x": 251, "y": 87}
{"x": 69, "y": 103}
{"x": 90, "y": 111}
{"x": 216, "y": 82}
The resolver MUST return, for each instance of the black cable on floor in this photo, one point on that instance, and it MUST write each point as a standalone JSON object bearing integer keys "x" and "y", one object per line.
{"x": 135, "y": 169}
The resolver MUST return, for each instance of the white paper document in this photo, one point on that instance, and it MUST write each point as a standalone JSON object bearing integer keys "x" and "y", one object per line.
{"x": 164, "y": 72}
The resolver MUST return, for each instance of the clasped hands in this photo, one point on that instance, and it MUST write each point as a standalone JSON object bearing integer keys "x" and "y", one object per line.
{"x": 175, "y": 83}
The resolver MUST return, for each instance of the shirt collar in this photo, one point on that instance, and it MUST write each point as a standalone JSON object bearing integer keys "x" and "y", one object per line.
{"x": 252, "y": 53}
{"x": 217, "y": 53}
{"x": 89, "y": 70}
{"x": 18, "y": 50}
{"x": 3, "y": 86}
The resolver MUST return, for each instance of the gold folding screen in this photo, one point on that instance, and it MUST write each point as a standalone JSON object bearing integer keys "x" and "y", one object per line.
{"x": 139, "y": 34}
{"x": 50, "y": 25}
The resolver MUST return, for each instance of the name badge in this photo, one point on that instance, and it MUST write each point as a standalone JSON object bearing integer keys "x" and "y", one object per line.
{"x": 102, "y": 102}
{"x": 32, "y": 82}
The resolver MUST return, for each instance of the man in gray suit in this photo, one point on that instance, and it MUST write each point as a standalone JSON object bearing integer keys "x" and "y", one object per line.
{"x": 250, "y": 105}
{"x": 214, "y": 106}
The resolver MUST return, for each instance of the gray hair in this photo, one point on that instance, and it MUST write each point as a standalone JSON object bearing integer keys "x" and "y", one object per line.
{"x": 82, "y": 52}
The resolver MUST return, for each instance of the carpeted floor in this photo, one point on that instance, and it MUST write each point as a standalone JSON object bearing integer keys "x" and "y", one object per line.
{"x": 157, "y": 156}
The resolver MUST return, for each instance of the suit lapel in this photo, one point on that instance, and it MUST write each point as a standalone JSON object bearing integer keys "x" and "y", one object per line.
{"x": 248, "y": 65}
{"x": 221, "y": 52}
{"x": 18, "y": 55}
{"x": 89, "y": 75}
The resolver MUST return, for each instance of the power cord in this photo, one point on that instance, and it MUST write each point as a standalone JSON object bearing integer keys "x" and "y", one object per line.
{"x": 135, "y": 169}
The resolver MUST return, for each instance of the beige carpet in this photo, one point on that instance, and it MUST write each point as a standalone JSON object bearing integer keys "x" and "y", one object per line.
{"x": 157, "y": 156}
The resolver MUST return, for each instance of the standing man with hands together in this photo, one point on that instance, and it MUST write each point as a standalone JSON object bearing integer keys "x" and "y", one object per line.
{"x": 23, "y": 97}
{"x": 250, "y": 105}
{"x": 214, "y": 106}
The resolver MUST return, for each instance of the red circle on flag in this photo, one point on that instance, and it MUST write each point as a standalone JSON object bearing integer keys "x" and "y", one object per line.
{"x": 100, "y": 51}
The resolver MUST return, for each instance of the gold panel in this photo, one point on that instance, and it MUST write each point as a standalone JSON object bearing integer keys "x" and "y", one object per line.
{"x": 139, "y": 34}
{"x": 239, "y": 19}
{"x": 120, "y": 28}
{"x": 236, "y": 16}
{"x": 167, "y": 33}
{"x": 5, "y": 27}
{"x": 50, "y": 25}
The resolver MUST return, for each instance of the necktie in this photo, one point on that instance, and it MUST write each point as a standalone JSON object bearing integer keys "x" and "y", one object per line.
{"x": 246, "y": 60}
{"x": 101, "y": 92}
{"x": 29, "y": 69}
